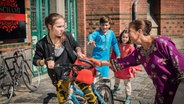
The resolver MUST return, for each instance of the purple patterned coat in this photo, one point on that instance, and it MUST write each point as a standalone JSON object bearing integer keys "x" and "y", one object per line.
{"x": 162, "y": 63}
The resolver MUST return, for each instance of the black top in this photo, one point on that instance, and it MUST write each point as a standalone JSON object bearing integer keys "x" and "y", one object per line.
{"x": 45, "y": 50}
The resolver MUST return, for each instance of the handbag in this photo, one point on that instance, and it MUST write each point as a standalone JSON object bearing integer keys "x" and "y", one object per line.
{"x": 86, "y": 76}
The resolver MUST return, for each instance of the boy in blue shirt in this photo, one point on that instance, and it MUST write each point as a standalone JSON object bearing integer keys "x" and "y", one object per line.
{"x": 102, "y": 40}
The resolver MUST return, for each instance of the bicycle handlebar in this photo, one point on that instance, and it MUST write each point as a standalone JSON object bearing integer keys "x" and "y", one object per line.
{"x": 85, "y": 64}
{"x": 78, "y": 66}
{"x": 21, "y": 50}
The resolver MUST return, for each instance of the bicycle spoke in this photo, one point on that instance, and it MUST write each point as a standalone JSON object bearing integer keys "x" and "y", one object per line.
{"x": 105, "y": 93}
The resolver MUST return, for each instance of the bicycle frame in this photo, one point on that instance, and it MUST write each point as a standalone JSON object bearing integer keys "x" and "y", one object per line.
{"x": 73, "y": 91}
{"x": 73, "y": 97}
{"x": 79, "y": 92}
{"x": 26, "y": 71}
{"x": 97, "y": 94}
{"x": 16, "y": 73}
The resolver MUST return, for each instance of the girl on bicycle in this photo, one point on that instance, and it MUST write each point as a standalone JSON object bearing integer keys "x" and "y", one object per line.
{"x": 57, "y": 48}
{"x": 125, "y": 49}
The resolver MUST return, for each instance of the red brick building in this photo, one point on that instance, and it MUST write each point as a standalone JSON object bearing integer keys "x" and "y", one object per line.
{"x": 167, "y": 16}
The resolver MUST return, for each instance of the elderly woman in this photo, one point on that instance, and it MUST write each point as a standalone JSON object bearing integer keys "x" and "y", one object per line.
{"x": 160, "y": 58}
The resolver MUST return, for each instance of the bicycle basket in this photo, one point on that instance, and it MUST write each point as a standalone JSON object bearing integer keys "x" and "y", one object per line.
{"x": 85, "y": 75}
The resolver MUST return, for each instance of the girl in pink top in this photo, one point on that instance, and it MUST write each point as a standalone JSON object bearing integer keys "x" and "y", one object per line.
{"x": 125, "y": 49}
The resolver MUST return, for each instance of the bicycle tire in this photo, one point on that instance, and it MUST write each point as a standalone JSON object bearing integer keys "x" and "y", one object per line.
{"x": 69, "y": 102}
{"x": 80, "y": 98}
{"x": 107, "y": 95}
{"x": 6, "y": 88}
{"x": 30, "y": 77}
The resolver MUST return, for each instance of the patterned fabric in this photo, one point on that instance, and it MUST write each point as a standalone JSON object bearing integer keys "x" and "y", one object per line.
{"x": 103, "y": 46}
{"x": 162, "y": 63}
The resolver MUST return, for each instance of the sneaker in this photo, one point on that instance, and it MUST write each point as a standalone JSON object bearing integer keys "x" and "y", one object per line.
{"x": 116, "y": 88}
{"x": 127, "y": 101}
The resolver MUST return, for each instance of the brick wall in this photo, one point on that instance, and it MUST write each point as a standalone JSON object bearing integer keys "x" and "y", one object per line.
{"x": 81, "y": 6}
{"x": 172, "y": 18}
{"x": 172, "y": 21}
{"x": 166, "y": 15}
{"x": 97, "y": 8}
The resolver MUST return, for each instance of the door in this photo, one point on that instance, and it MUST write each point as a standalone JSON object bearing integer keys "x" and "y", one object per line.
{"x": 71, "y": 16}
{"x": 39, "y": 10}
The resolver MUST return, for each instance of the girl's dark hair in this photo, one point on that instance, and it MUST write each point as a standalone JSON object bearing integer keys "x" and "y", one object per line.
{"x": 144, "y": 25}
{"x": 121, "y": 35}
{"x": 105, "y": 19}
{"x": 52, "y": 18}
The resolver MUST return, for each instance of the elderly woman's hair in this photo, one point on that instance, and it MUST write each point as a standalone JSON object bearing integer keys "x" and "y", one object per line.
{"x": 144, "y": 25}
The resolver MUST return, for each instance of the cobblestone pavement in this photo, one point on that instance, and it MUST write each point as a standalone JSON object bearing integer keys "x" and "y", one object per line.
{"x": 142, "y": 92}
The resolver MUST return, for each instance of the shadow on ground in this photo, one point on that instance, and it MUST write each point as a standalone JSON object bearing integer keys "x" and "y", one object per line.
{"x": 49, "y": 97}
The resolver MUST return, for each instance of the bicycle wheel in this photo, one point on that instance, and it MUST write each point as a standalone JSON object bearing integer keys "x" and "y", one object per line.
{"x": 6, "y": 87}
{"x": 105, "y": 93}
{"x": 31, "y": 76}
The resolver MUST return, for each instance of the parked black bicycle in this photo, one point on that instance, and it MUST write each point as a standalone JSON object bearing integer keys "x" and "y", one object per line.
{"x": 15, "y": 70}
{"x": 29, "y": 73}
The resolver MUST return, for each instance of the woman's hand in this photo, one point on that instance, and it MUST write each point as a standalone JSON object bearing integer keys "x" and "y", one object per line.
{"x": 50, "y": 64}
{"x": 42, "y": 62}
{"x": 105, "y": 63}
{"x": 118, "y": 57}
{"x": 114, "y": 65}
{"x": 95, "y": 61}
{"x": 80, "y": 54}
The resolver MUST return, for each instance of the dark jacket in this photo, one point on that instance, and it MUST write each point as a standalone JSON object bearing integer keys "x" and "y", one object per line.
{"x": 45, "y": 50}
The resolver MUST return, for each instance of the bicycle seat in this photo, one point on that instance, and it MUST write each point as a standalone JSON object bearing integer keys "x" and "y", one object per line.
{"x": 105, "y": 80}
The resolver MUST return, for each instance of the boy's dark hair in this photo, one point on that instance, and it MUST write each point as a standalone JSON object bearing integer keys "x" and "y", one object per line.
{"x": 105, "y": 19}
{"x": 122, "y": 33}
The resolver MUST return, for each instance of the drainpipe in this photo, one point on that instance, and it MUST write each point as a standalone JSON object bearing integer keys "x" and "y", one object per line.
{"x": 134, "y": 11}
